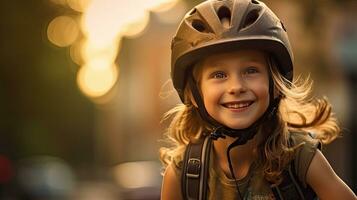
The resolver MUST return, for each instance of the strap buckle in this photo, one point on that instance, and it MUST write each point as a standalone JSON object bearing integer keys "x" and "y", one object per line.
{"x": 193, "y": 168}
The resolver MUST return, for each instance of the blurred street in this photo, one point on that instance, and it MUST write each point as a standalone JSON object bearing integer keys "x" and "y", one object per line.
{"x": 84, "y": 84}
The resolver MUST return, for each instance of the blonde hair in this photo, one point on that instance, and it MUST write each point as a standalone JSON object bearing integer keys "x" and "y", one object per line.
{"x": 298, "y": 111}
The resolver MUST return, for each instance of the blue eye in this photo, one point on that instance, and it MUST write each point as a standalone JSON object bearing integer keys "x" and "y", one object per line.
{"x": 251, "y": 70}
{"x": 219, "y": 75}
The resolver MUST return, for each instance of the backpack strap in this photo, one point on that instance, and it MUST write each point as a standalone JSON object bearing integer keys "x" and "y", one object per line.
{"x": 291, "y": 188}
{"x": 195, "y": 170}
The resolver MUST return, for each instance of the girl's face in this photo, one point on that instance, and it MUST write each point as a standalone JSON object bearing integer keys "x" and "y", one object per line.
{"x": 235, "y": 87}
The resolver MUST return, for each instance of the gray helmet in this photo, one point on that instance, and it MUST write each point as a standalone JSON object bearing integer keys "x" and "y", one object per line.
{"x": 226, "y": 25}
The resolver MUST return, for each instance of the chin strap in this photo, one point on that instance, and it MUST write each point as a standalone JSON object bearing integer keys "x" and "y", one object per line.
{"x": 239, "y": 141}
{"x": 217, "y": 133}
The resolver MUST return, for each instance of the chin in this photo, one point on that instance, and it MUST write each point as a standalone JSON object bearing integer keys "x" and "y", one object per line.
{"x": 238, "y": 128}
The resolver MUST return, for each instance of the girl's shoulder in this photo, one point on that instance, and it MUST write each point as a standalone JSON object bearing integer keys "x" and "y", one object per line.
{"x": 177, "y": 166}
{"x": 303, "y": 137}
{"x": 171, "y": 184}
{"x": 306, "y": 147}
{"x": 177, "y": 162}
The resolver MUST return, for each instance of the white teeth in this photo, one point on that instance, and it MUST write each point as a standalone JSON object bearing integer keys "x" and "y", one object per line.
{"x": 237, "y": 105}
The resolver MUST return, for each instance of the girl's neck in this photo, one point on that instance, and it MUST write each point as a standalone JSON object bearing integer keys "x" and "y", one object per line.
{"x": 242, "y": 156}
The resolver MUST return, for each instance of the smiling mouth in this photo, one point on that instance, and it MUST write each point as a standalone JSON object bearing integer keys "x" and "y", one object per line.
{"x": 238, "y": 105}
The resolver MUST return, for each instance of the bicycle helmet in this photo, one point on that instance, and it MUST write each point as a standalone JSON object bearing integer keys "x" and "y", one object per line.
{"x": 216, "y": 26}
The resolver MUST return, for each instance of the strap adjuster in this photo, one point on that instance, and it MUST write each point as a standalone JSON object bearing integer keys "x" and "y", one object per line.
{"x": 193, "y": 168}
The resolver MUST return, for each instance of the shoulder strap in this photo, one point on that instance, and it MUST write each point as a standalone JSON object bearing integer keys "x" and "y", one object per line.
{"x": 195, "y": 170}
{"x": 291, "y": 188}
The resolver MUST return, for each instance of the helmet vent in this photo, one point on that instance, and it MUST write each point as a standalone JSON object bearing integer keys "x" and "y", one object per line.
{"x": 193, "y": 11}
{"x": 282, "y": 25}
{"x": 199, "y": 25}
{"x": 255, "y": 1}
{"x": 251, "y": 17}
{"x": 224, "y": 15}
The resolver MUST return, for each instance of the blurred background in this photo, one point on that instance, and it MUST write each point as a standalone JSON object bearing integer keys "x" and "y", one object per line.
{"x": 84, "y": 83}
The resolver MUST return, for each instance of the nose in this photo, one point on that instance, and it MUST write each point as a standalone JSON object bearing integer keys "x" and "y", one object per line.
{"x": 236, "y": 85}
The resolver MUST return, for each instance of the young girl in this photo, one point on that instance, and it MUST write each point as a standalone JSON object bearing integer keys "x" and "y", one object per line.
{"x": 232, "y": 67}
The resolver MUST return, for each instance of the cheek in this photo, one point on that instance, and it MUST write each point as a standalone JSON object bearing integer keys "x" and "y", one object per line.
{"x": 209, "y": 93}
{"x": 262, "y": 91}
{"x": 264, "y": 94}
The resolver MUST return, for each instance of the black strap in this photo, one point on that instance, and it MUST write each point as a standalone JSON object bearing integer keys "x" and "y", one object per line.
{"x": 291, "y": 188}
{"x": 195, "y": 170}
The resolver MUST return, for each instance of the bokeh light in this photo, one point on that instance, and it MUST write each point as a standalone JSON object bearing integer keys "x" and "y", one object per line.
{"x": 133, "y": 175}
{"x": 75, "y": 52}
{"x": 135, "y": 28}
{"x": 165, "y": 6}
{"x": 102, "y": 25}
{"x": 92, "y": 51}
{"x": 165, "y": 14}
{"x": 78, "y": 5}
{"x": 63, "y": 31}
{"x": 96, "y": 80}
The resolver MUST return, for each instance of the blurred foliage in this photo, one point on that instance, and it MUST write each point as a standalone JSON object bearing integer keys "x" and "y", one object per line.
{"x": 41, "y": 109}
